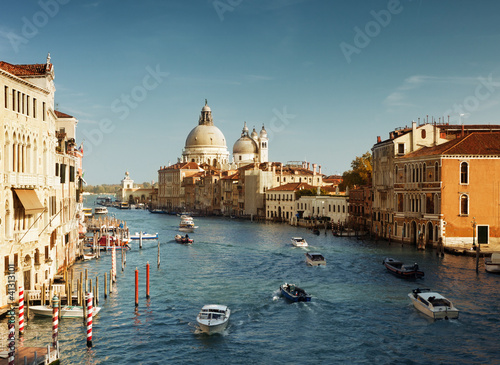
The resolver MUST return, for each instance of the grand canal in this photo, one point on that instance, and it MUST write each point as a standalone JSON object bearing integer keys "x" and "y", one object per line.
{"x": 359, "y": 312}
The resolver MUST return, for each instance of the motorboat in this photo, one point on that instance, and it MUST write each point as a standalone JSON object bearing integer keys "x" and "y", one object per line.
{"x": 183, "y": 239}
{"x": 213, "y": 318}
{"x": 87, "y": 257}
{"x": 299, "y": 242}
{"x": 399, "y": 269}
{"x": 66, "y": 311}
{"x": 315, "y": 259}
{"x": 294, "y": 293}
{"x": 144, "y": 235}
{"x": 433, "y": 304}
{"x": 100, "y": 210}
{"x": 187, "y": 224}
{"x": 492, "y": 264}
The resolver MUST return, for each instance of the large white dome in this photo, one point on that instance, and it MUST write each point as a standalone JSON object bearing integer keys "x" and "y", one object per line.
{"x": 205, "y": 136}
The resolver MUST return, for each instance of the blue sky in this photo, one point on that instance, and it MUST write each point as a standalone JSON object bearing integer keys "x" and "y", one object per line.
{"x": 324, "y": 77}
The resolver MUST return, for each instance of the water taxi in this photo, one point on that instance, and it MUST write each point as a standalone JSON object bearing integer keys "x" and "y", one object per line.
{"x": 433, "y": 304}
{"x": 299, "y": 242}
{"x": 213, "y": 318}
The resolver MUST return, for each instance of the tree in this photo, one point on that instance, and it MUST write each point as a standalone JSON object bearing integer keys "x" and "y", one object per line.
{"x": 360, "y": 173}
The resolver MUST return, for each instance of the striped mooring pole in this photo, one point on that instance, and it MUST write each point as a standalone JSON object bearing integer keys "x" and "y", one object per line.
{"x": 136, "y": 288}
{"x": 147, "y": 280}
{"x": 21, "y": 310}
{"x": 113, "y": 263}
{"x": 55, "y": 320}
{"x": 11, "y": 344}
{"x": 89, "y": 319}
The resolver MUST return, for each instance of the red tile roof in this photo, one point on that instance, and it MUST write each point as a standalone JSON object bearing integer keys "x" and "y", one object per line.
{"x": 481, "y": 144}
{"x": 26, "y": 70}
{"x": 292, "y": 187}
{"x": 62, "y": 115}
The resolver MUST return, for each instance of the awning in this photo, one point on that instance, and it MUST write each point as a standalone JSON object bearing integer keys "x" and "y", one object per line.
{"x": 30, "y": 201}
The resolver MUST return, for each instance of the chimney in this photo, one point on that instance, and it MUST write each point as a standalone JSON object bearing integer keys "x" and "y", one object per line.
{"x": 379, "y": 139}
{"x": 413, "y": 136}
{"x": 314, "y": 169}
{"x": 391, "y": 135}
{"x": 308, "y": 165}
{"x": 319, "y": 172}
{"x": 462, "y": 130}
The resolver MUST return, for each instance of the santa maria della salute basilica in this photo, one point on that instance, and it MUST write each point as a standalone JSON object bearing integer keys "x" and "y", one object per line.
{"x": 206, "y": 144}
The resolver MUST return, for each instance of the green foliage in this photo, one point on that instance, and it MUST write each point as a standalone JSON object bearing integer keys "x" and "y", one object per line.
{"x": 309, "y": 192}
{"x": 102, "y": 189}
{"x": 360, "y": 173}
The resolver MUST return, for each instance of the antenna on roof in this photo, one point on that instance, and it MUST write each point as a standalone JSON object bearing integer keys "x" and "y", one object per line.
{"x": 48, "y": 58}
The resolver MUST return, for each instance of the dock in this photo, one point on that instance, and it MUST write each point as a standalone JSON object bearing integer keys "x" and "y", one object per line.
{"x": 44, "y": 355}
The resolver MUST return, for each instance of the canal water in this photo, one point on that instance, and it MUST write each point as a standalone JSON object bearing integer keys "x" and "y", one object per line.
{"x": 359, "y": 312}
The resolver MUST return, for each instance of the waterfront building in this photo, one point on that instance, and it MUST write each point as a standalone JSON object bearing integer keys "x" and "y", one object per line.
{"x": 206, "y": 143}
{"x": 170, "y": 190}
{"x": 323, "y": 208}
{"x": 450, "y": 191}
{"x": 40, "y": 181}
{"x": 133, "y": 194}
{"x": 280, "y": 202}
{"x": 401, "y": 142}
{"x": 229, "y": 191}
{"x": 360, "y": 204}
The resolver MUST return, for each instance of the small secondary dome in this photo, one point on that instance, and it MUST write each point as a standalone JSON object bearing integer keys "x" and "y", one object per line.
{"x": 245, "y": 145}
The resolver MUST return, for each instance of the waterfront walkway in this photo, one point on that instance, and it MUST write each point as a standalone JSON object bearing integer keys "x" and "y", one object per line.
{"x": 29, "y": 352}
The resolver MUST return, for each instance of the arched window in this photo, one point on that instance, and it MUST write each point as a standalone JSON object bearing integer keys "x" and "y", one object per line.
{"x": 425, "y": 172}
{"x": 464, "y": 204}
{"x": 436, "y": 172}
{"x": 464, "y": 173}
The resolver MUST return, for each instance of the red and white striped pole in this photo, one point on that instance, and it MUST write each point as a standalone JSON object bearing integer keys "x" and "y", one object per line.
{"x": 89, "y": 319}
{"x": 21, "y": 310}
{"x": 147, "y": 280}
{"x": 12, "y": 336}
{"x": 55, "y": 320}
{"x": 113, "y": 262}
{"x": 136, "y": 288}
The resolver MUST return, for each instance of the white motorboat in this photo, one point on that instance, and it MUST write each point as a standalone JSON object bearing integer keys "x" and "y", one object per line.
{"x": 492, "y": 264}
{"x": 299, "y": 242}
{"x": 67, "y": 311}
{"x": 213, "y": 318}
{"x": 100, "y": 210}
{"x": 315, "y": 259}
{"x": 187, "y": 224}
{"x": 433, "y": 304}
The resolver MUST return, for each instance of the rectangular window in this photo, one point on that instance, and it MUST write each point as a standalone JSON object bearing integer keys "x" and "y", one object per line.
{"x": 18, "y": 101}
{"x": 63, "y": 173}
{"x": 34, "y": 108}
{"x": 43, "y": 111}
{"x": 6, "y": 97}
{"x": 401, "y": 148}
{"x": 72, "y": 174}
{"x": 27, "y": 105}
{"x": 16, "y": 261}
{"x": 57, "y": 169}
{"x": 22, "y": 103}
{"x": 6, "y": 263}
{"x": 13, "y": 100}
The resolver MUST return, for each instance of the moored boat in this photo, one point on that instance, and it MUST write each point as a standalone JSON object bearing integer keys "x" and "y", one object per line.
{"x": 299, "y": 242}
{"x": 433, "y": 304}
{"x": 100, "y": 210}
{"x": 183, "y": 239}
{"x": 315, "y": 259}
{"x": 87, "y": 212}
{"x": 66, "y": 311}
{"x": 294, "y": 293}
{"x": 213, "y": 318}
{"x": 145, "y": 236}
{"x": 492, "y": 264}
{"x": 399, "y": 269}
